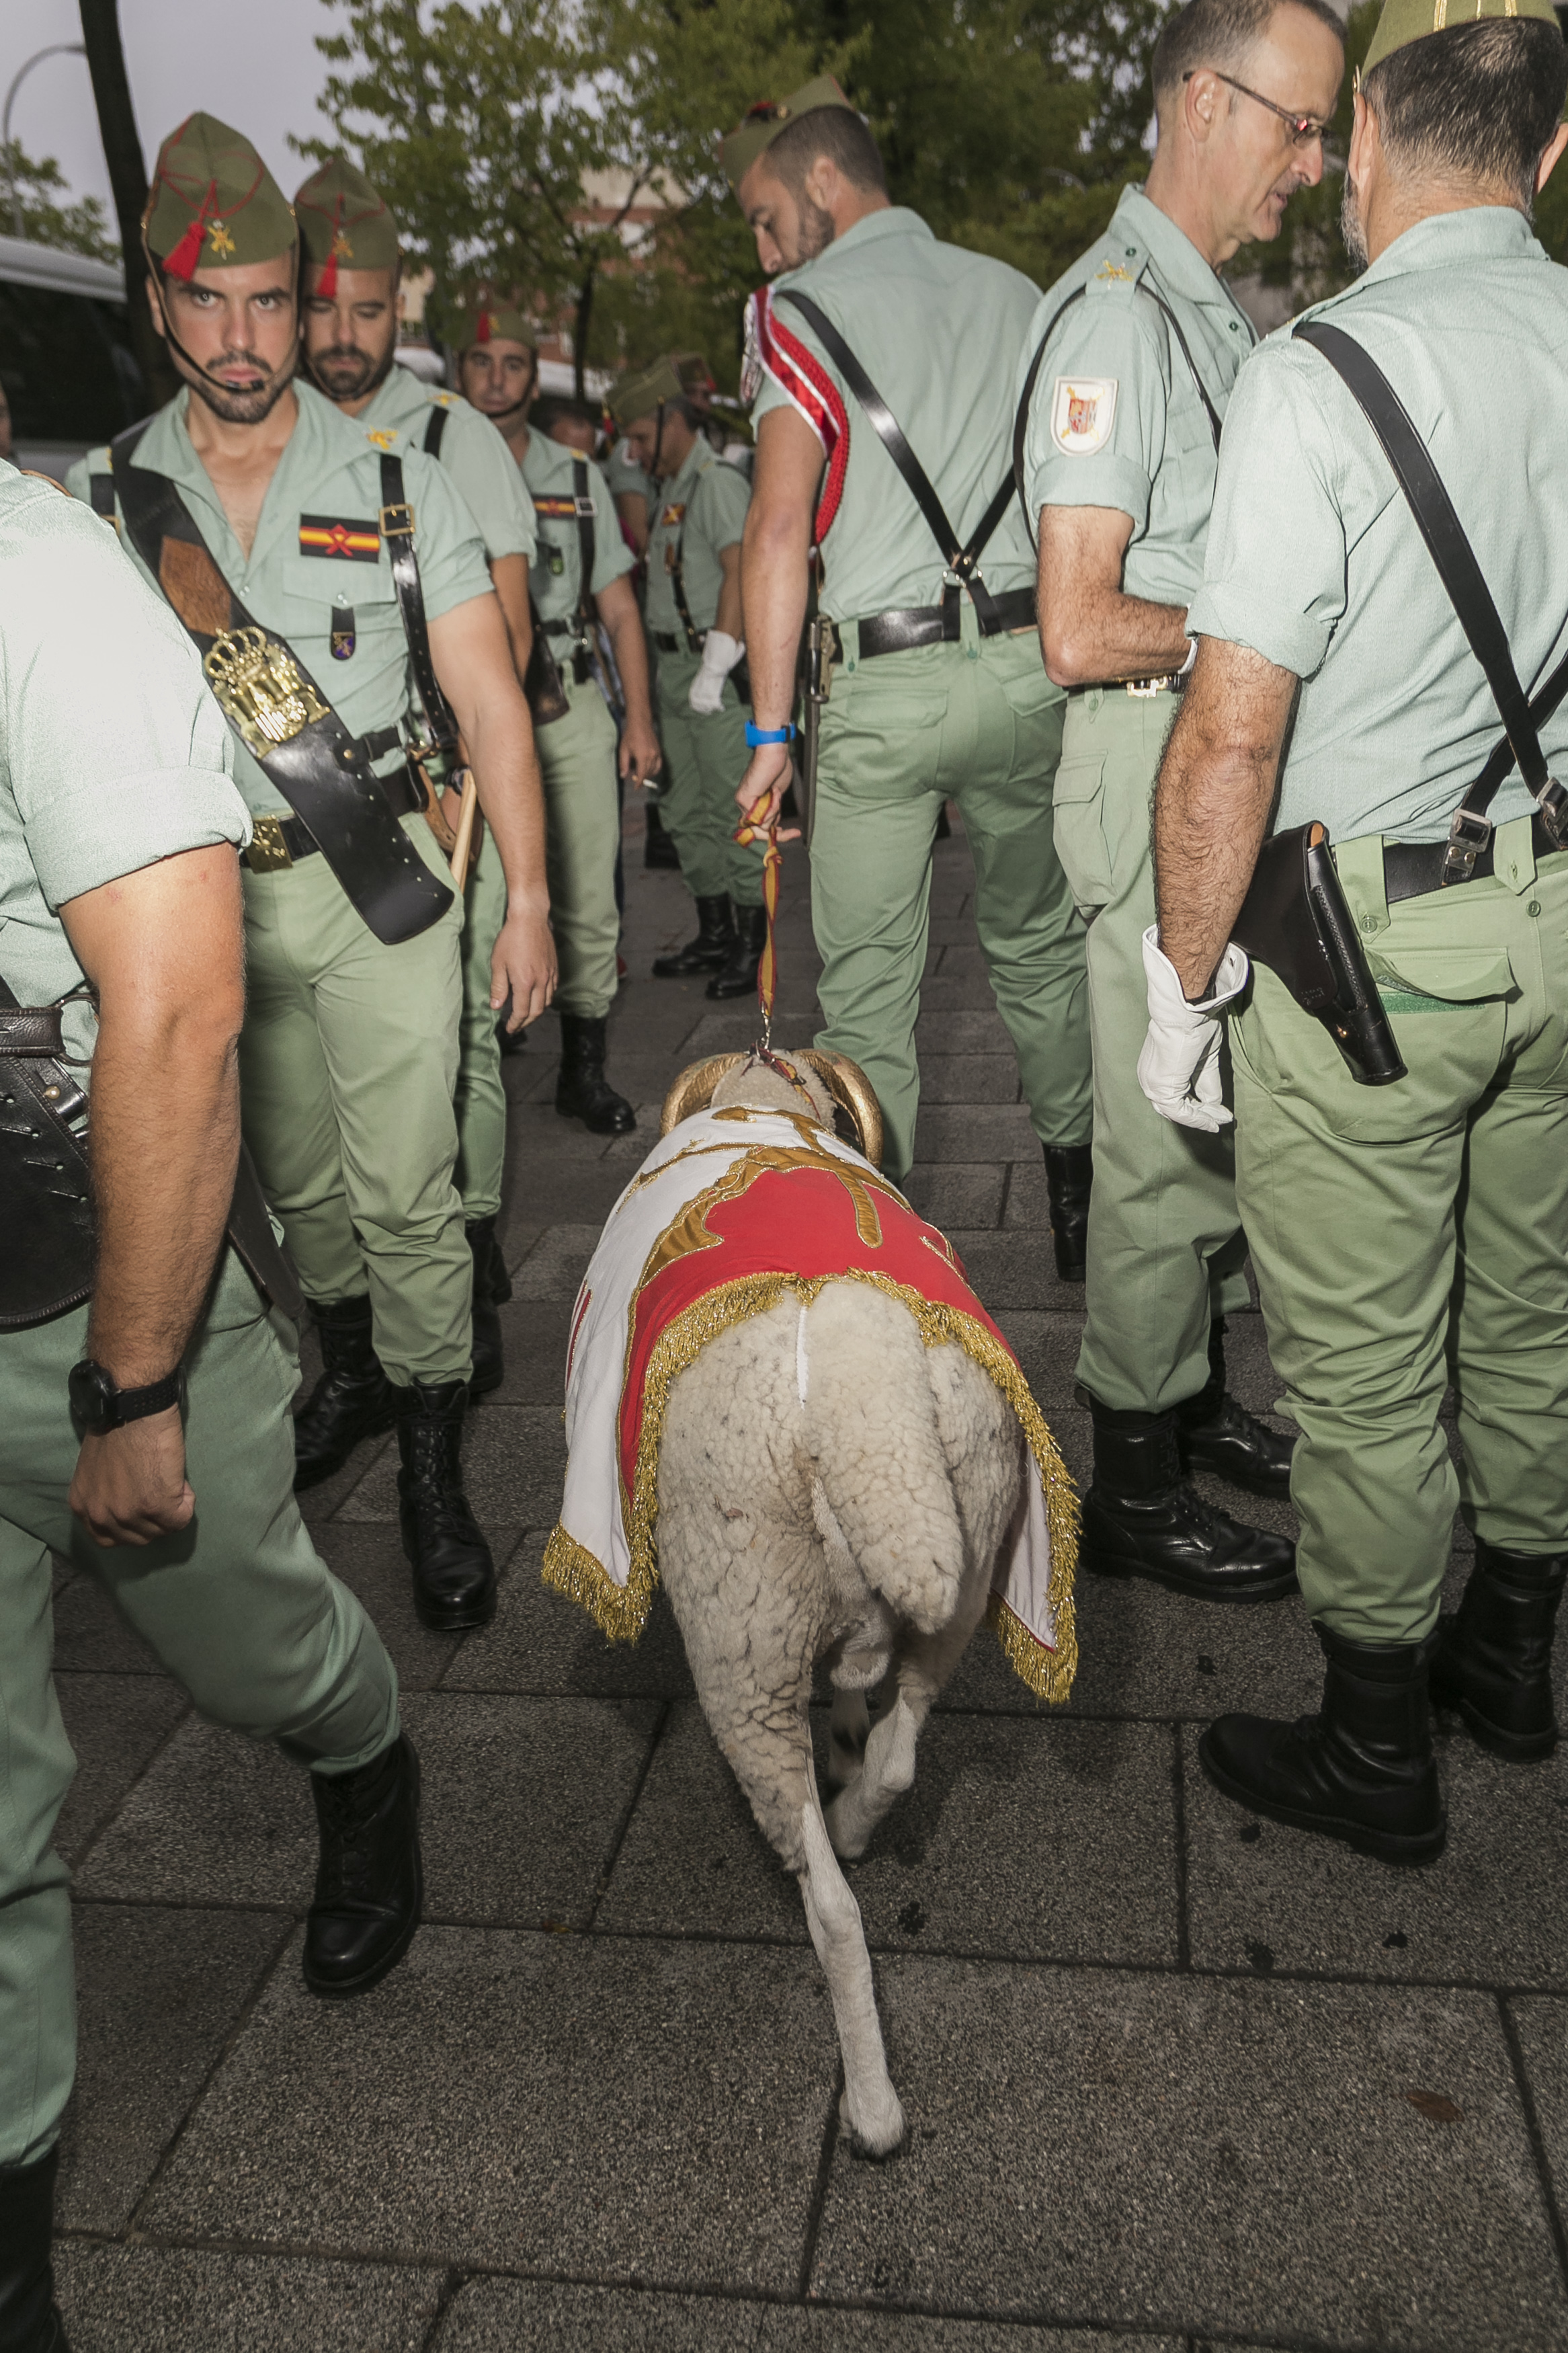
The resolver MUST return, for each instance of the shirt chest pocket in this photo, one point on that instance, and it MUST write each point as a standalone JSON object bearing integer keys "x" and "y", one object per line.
{"x": 338, "y": 608}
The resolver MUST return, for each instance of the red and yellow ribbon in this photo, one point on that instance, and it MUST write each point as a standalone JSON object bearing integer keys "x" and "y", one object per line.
{"x": 751, "y": 829}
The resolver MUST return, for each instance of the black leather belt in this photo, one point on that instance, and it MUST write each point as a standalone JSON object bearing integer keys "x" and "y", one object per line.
{"x": 935, "y": 625}
{"x": 279, "y": 843}
{"x": 1171, "y": 681}
{"x": 1411, "y": 869}
{"x": 561, "y": 629}
{"x": 666, "y": 641}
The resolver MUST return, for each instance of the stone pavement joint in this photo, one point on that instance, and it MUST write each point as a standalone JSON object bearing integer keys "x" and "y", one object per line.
{"x": 1175, "y": 2079}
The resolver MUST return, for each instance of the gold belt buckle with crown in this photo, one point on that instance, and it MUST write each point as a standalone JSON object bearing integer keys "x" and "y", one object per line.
{"x": 261, "y": 691}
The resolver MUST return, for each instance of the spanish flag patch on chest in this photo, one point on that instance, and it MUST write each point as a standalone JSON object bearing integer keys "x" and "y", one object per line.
{"x": 556, "y": 510}
{"x": 671, "y": 516}
{"x": 331, "y": 535}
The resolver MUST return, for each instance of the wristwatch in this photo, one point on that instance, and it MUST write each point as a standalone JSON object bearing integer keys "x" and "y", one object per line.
{"x": 99, "y": 1405}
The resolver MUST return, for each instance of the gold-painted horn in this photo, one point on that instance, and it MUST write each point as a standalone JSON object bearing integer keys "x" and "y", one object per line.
{"x": 847, "y": 1084}
{"x": 693, "y": 1089}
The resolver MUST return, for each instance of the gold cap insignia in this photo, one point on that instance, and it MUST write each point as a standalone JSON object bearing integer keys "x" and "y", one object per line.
{"x": 221, "y": 240}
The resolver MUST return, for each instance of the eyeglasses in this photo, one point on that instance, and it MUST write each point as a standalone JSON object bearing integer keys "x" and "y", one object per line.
{"x": 1303, "y": 128}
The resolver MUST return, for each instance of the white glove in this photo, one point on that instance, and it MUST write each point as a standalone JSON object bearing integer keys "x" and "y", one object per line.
{"x": 1179, "y": 1067}
{"x": 721, "y": 652}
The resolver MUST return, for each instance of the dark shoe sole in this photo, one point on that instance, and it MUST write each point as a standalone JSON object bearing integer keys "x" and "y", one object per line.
{"x": 663, "y": 970}
{"x": 1074, "y": 1271}
{"x": 1278, "y": 1490}
{"x": 614, "y": 1126}
{"x": 1383, "y": 1846}
{"x": 345, "y": 1989}
{"x": 1514, "y": 1747}
{"x": 1263, "y": 1589}
{"x": 461, "y": 1620}
{"x": 481, "y": 1384}
{"x": 734, "y": 989}
{"x": 311, "y": 1474}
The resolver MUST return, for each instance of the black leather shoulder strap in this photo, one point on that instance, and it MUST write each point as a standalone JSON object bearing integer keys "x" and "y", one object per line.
{"x": 435, "y": 427}
{"x": 398, "y": 531}
{"x": 585, "y": 543}
{"x": 1153, "y": 291}
{"x": 281, "y": 716}
{"x": 101, "y": 492}
{"x": 960, "y": 557}
{"x": 1021, "y": 415}
{"x": 1449, "y": 549}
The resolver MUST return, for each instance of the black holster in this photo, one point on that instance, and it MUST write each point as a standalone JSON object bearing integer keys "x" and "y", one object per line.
{"x": 545, "y": 694}
{"x": 1294, "y": 919}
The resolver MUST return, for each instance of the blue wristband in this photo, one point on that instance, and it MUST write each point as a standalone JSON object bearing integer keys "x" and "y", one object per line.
{"x": 755, "y": 734}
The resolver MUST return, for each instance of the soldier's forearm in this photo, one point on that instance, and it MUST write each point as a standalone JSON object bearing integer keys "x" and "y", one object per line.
{"x": 624, "y": 623}
{"x": 1212, "y": 801}
{"x": 506, "y": 771}
{"x": 509, "y": 576}
{"x": 774, "y": 554}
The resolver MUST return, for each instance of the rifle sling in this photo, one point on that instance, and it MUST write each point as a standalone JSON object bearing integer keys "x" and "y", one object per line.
{"x": 319, "y": 769}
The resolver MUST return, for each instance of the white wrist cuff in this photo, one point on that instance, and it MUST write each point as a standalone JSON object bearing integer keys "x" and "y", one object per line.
{"x": 1187, "y": 669}
{"x": 1166, "y": 994}
{"x": 721, "y": 652}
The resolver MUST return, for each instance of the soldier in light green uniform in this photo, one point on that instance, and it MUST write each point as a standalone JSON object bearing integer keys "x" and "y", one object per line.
{"x": 119, "y": 821}
{"x": 1127, "y": 369}
{"x": 352, "y": 264}
{"x": 694, "y": 559}
{"x": 633, "y": 492}
{"x": 498, "y": 366}
{"x": 1412, "y": 1236}
{"x": 348, "y": 1055}
{"x": 936, "y": 688}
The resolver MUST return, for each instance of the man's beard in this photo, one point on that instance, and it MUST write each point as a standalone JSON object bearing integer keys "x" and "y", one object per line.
{"x": 816, "y": 230}
{"x": 345, "y": 373}
{"x": 1351, "y": 225}
{"x": 239, "y": 407}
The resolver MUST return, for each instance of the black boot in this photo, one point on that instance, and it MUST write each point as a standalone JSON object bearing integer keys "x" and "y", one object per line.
{"x": 369, "y": 1882}
{"x": 658, "y": 850}
{"x": 1139, "y": 1520}
{"x": 30, "y": 2321}
{"x": 1362, "y": 1770}
{"x": 454, "y": 1575}
{"x": 737, "y": 976}
{"x": 1219, "y": 1435}
{"x": 352, "y": 1400}
{"x": 581, "y": 1090}
{"x": 1493, "y": 1659}
{"x": 1070, "y": 1170}
{"x": 510, "y": 1041}
{"x": 492, "y": 1289}
{"x": 709, "y": 950}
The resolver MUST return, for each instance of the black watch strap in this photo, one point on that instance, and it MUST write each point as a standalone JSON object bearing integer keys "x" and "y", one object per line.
{"x": 104, "y": 1407}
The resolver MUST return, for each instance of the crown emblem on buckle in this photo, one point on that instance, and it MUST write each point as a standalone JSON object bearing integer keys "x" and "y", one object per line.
{"x": 259, "y": 690}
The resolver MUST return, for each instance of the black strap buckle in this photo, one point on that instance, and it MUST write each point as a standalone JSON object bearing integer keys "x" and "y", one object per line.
{"x": 1553, "y": 808}
{"x": 1467, "y": 836}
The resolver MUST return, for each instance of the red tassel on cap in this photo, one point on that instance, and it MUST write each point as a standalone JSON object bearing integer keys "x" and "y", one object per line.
{"x": 187, "y": 254}
{"x": 328, "y": 286}
{"x": 482, "y": 328}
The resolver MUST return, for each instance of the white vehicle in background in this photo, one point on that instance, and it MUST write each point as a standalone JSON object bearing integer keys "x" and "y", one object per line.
{"x": 65, "y": 361}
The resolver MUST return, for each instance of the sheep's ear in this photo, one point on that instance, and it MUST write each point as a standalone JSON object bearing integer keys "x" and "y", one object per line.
{"x": 847, "y": 1084}
{"x": 693, "y": 1089}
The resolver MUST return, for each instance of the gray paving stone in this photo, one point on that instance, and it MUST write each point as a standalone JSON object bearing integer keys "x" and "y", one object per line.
{"x": 368, "y": 1556}
{"x": 1137, "y": 2151}
{"x": 815, "y": 2330}
{"x": 514, "y": 1466}
{"x": 494, "y": 2315}
{"x": 946, "y": 993}
{"x": 182, "y": 2300}
{"x": 1045, "y": 1343}
{"x": 158, "y": 1993}
{"x": 1492, "y": 1909}
{"x": 216, "y": 1819}
{"x": 522, "y": 1802}
{"x": 1004, "y": 1276}
{"x": 1028, "y": 1202}
{"x": 971, "y": 1131}
{"x": 973, "y": 1031}
{"x": 535, "y": 1333}
{"x": 540, "y": 1641}
{"x": 1025, "y": 1838}
{"x": 1542, "y": 2025}
{"x": 116, "y": 1723}
{"x": 969, "y": 1078}
{"x": 948, "y": 1195}
{"x": 556, "y": 1265}
{"x": 605, "y": 2109}
{"x": 320, "y": 1503}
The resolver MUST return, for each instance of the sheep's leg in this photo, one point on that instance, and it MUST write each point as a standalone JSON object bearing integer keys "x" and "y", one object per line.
{"x": 847, "y": 1736}
{"x": 869, "y": 2109}
{"x": 921, "y": 1668}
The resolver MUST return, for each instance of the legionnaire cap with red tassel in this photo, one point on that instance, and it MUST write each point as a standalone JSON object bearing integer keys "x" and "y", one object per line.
{"x": 344, "y": 222}
{"x": 494, "y": 323}
{"x": 762, "y": 124}
{"x": 213, "y": 203}
{"x": 640, "y": 394}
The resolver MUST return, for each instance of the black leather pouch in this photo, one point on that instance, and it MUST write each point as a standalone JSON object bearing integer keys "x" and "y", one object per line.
{"x": 1295, "y": 920}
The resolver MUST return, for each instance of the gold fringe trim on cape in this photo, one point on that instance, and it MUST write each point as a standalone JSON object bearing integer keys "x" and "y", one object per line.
{"x": 621, "y": 1611}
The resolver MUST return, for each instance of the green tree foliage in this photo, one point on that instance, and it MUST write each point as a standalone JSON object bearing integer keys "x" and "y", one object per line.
{"x": 33, "y": 193}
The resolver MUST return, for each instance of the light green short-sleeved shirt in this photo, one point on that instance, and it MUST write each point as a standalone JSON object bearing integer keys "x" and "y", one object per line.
{"x": 939, "y": 330}
{"x": 481, "y": 466}
{"x": 1115, "y": 417}
{"x": 626, "y": 478}
{"x": 556, "y": 573}
{"x": 327, "y": 474}
{"x": 1314, "y": 559}
{"x": 112, "y": 753}
{"x": 699, "y": 510}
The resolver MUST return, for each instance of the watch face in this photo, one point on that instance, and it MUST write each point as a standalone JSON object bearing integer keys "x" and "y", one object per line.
{"x": 93, "y": 1395}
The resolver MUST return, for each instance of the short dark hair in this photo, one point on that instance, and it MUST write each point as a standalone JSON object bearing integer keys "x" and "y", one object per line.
{"x": 1219, "y": 34}
{"x": 835, "y": 132}
{"x": 1479, "y": 100}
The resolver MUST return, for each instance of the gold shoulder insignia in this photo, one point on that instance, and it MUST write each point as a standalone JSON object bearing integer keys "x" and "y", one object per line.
{"x": 384, "y": 435}
{"x": 1112, "y": 269}
{"x": 440, "y": 400}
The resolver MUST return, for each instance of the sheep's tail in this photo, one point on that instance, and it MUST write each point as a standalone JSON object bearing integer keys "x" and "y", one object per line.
{"x": 872, "y": 1433}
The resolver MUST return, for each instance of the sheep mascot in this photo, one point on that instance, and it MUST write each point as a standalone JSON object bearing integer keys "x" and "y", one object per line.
{"x": 777, "y": 1362}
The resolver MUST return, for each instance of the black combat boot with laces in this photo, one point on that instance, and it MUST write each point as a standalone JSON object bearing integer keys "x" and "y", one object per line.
{"x": 710, "y": 949}
{"x": 1140, "y": 1519}
{"x": 454, "y": 1575}
{"x": 369, "y": 1881}
{"x": 352, "y": 1400}
{"x": 1217, "y": 1434}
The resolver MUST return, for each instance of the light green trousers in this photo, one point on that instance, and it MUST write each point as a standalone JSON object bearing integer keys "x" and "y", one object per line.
{"x": 978, "y": 722}
{"x": 1165, "y": 1246}
{"x": 348, "y": 1062}
{"x": 1412, "y": 1235}
{"x": 707, "y": 755}
{"x": 479, "y": 1103}
{"x": 577, "y": 760}
{"x": 237, "y": 1606}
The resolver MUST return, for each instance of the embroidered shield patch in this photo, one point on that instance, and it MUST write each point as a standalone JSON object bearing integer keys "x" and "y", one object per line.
{"x": 1083, "y": 409}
